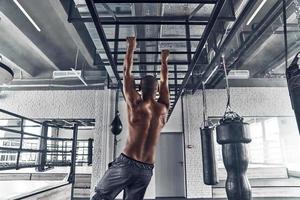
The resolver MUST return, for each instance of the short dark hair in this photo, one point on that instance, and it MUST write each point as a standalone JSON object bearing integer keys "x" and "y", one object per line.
{"x": 149, "y": 85}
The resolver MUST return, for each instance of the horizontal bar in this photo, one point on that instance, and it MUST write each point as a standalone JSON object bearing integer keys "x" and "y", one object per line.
{"x": 156, "y": 39}
{"x": 33, "y": 150}
{"x": 60, "y": 139}
{"x": 22, "y": 150}
{"x": 150, "y": 20}
{"x": 155, "y": 71}
{"x": 155, "y": 1}
{"x": 155, "y": 63}
{"x": 19, "y": 116}
{"x": 153, "y": 52}
{"x": 19, "y": 132}
{"x": 139, "y": 78}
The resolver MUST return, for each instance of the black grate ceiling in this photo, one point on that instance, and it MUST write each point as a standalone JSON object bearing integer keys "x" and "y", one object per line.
{"x": 187, "y": 43}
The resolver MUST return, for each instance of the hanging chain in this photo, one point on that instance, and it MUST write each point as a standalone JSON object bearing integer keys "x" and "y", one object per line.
{"x": 205, "y": 116}
{"x": 229, "y": 114}
{"x": 228, "y": 107}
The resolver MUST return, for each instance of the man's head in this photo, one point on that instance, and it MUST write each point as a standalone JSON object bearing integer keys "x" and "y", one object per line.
{"x": 149, "y": 86}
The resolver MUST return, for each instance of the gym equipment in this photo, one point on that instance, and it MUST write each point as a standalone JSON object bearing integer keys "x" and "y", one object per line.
{"x": 6, "y": 74}
{"x": 116, "y": 125}
{"x": 210, "y": 174}
{"x": 233, "y": 135}
{"x": 293, "y": 79}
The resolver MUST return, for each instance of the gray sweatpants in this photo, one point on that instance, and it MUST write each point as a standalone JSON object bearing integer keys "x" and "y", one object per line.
{"x": 126, "y": 174}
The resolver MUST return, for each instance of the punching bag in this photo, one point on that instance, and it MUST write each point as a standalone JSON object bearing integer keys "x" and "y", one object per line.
{"x": 233, "y": 135}
{"x": 210, "y": 176}
{"x": 116, "y": 125}
{"x": 293, "y": 79}
{"x": 210, "y": 173}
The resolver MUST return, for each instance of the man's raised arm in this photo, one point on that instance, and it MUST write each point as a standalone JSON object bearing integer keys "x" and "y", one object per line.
{"x": 164, "y": 96}
{"x": 131, "y": 94}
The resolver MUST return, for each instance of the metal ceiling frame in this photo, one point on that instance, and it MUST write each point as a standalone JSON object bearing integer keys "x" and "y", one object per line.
{"x": 259, "y": 29}
{"x": 215, "y": 13}
{"x": 193, "y": 57}
{"x": 160, "y": 1}
{"x": 113, "y": 67}
{"x": 227, "y": 40}
{"x": 169, "y": 20}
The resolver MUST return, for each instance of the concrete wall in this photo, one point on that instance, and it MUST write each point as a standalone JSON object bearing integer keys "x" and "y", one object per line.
{"x": 245, "y": 101}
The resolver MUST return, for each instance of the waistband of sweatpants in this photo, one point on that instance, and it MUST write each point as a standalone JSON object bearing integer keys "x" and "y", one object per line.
{"x": 136, "y": 162}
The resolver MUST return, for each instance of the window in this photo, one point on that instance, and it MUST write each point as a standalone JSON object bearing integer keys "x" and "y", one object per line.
{"x": 274, "y": 140}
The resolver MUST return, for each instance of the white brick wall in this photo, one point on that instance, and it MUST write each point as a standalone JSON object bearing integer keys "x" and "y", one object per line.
{"x": 100, "y": 105}
{"x": 96, "y": 104}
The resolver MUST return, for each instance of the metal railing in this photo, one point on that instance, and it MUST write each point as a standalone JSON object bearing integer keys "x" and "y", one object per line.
{"x": 28, "y": 143}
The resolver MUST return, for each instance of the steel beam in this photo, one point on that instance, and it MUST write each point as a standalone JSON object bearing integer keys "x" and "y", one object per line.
{"x": 157, "y": 71}
{"x": 152, "y": 52}
{"x": 188, "y": 43}
{"x": 170, "y": 79}
{"x": 71, "y": 178}
{"x": 155, "y": 63}
{"x": 90, "y": 151}
{"x": 154, "y": 20}
{"x": 156, "y": 39}
{"x": 21, "y": 144}
{"x": 194, "y": 12}
{"x": 112, "y": 67}
{"x": 42, "y": 156}
{"x": 160, "y": 1}
{"x": 227, "y": 40}
{"x": 215, "y": 13}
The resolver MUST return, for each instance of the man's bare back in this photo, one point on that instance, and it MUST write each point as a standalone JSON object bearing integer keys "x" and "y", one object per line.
{"x": 145, "y": 122}
{"x": 133, "y": 169}
{"x": 146, "y": 116}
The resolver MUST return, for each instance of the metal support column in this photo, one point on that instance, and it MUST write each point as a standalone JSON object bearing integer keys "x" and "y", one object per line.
{"x": 71, "y": 178}
{"x": 21, "y": 143}
{"x": 42, "y": 156}
{"x": 188, "y": 42}
{"x": 90, "y": 151}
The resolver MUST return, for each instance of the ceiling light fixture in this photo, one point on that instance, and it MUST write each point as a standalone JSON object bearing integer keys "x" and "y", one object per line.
{"x": 257, "y": 10}
{"x": 27, "y": 15}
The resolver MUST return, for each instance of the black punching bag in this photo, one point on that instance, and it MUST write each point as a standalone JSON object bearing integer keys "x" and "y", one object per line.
{"x": 116, "y": 125}
{"x": 210, "y": 176}
{"x": 233, "y": 135}
{"x": 293, "y": 79}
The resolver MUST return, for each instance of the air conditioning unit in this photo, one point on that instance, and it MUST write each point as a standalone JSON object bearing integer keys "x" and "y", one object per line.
{"x": 66, "y": 74}
{"x": 239, "y": 74}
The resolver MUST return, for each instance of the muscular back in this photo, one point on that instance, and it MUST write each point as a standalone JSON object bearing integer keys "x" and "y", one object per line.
{"x": 145, "y": 121}
{"x": 146, "y": 117}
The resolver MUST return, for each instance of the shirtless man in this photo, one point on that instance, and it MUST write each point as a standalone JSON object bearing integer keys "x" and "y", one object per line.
{"x": 132, "y": 170}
